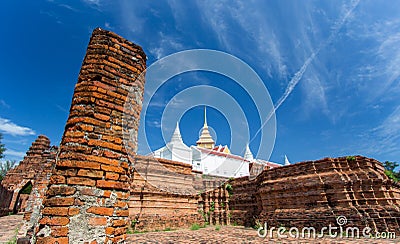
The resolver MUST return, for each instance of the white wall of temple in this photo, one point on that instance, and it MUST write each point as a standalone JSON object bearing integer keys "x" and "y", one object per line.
{"x": 210, "y": 164}
{"x": 175, "y": 153}
{"x": 219, "y": 165}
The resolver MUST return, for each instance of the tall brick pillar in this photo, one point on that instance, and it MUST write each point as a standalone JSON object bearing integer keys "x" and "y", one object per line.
{"x": 86, "y": 201}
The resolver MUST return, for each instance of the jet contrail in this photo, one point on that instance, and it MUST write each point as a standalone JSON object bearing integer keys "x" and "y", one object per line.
{"x": 299, "y": 74}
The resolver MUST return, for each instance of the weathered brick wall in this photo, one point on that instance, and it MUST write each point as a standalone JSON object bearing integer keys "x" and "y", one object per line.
{"x": 162, "y": 195}
{"x": 39, "y": 188}
{"x": 6, "y": 197}
{"x": 243, "y": 203}
{"x": 34, "y": 169}
{"x": 214, "y": 204}
{"x": 88, "y": 193}
{"x": 314, "y": 193}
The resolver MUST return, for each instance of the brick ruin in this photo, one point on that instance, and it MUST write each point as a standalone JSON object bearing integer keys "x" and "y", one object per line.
{"x": 30, "y": 176}
{"x": 315, "y": 193}
{"x": 89, "y": 190}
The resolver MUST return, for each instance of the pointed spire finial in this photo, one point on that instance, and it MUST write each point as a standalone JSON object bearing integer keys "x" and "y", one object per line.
{"x": 176, "y": 136}
{"x": 205, "y": 115}
{"x": 247, "y": 154}
{"x": 286, "y": 161}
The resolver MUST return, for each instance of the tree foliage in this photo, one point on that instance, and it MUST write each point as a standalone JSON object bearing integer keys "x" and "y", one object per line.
{"x": 2, "y": 147}
{"x": 390, "y": 170}
{"x": 5, "y": 167}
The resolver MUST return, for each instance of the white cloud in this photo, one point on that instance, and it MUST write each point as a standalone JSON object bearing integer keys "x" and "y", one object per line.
{"x": 281, "y": 52}
{"x": 10, "y": 152}
{"x": 8, "y": 127}
{"x": 388, "y": 133}
{"x": 92, "y": 2}
{"x": 383, "y": 140}
{"x": 377, "y": 73}
{"x": 167, "y": 44}
{"x": 315, "y": 94}
{"x": 69, "y": 7}
{"x": 4, "y": 104}
{"x": 153, "y": 123}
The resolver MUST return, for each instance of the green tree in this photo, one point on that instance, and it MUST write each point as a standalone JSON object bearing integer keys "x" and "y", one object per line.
{"x": 5, "y": 167}
{"x": 2, "y": 147}
{"x": 390, "y": 170}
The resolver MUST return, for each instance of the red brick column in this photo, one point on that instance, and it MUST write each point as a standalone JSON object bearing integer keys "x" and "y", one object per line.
{"x": 86, "y": 201}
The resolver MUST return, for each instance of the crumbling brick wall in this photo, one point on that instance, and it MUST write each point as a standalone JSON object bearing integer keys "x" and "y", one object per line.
{"x": 88, "y": 193}
{"x": 34, "y": 169}
{"x": 315, "y": 193}
{"x": 243, "y": 203}
{"x": 214, "y": 203}
{"x": 6, "y": 197}
{"x": 162, "y": 195}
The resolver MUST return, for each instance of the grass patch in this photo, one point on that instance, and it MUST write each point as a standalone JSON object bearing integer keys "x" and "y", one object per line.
{"x": 167, "y": 229}
{"x": 217, "y": 227}
{"x": 195, "y": 226}
{"x": 13, "y": 240}
{"x": 139, "y": 232}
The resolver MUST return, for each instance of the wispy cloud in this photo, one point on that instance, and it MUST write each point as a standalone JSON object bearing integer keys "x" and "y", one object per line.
{"x": 384, "y": 139}
{"x": 377, "y": 73}
{"x": 92, "y": 2}
{"x": 315, "y": 96}
{"x": 108, "y": 26}
{"x": 299, "y": 74}
{"x": 10, "y": 152}
{"x": 4, "y": 104}
{"x": 153, "y": 123}
{"x": 61, "y": 108}
{"x": 52, "y": 15}
{"x": 8, "y": 127}
{"x": 69, "y": 7}
{"x": 167, "y": 45}
{"x": 95, "y": 4}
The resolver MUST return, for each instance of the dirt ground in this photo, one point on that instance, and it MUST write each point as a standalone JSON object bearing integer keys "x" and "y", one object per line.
{"x": 9, "y": 226}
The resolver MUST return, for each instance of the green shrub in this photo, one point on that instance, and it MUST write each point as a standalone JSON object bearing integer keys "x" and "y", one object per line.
{"x": 257, "y": 224}
{"x": 212, "y": 206}
{"x": 391, "y": 175}
{"x": 229, "y": 188}
{"x": 217, "y": 227}
{"x": 133, "y": 223}
{"x": 351, "y": 158}
{"x": 195, "y": 226}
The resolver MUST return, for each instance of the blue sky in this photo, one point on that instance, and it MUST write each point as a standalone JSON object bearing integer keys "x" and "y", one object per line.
{"x": 331, "y": 68}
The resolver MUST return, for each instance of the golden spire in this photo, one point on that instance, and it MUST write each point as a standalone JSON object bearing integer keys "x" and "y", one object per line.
{"x": 205, "y": 139}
